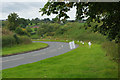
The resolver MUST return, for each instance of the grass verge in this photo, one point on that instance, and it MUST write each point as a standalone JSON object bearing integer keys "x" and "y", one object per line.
{"x": 82, "y": 62}
{"x": 22, "y": 48}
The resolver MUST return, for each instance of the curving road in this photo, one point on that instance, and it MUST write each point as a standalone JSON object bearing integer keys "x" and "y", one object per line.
{"x": 54, "y": 49}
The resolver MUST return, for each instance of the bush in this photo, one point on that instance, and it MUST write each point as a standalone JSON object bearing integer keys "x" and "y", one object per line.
{"x": 24, "y": 40}
{"x": 35, "y": 36}
{"x": 28, "y": 29}
{"x": 6, "y": 32}
{"x": 35, "y": 29}
{"x": 8, "y": 40}
{"x": 19, "y": 31}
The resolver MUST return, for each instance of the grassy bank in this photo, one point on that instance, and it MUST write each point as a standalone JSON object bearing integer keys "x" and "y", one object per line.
{"x": 82, "y": 62}
{"x": 21, "y": 48}
{"x": 111, "y": 49}
{"x": 70, "y": 31}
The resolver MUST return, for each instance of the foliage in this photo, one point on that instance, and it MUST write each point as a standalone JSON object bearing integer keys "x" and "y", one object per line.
{"x": 28, "y": 29}
{"x": 4, "y": 24}
{"x": 77, "y": 31}
{"x": 19, "y": 31}
{"x": 35, "y": 36}
{"x": 107, "y": 13}
{"x": 111, "y": 50}
{"x": 22, "y": 22}
{"x": 11, "y": 40}
{"x": 12, "y": 21}
{"x": 8, "y": 40}
{"x": 47, "y": 29}
{"x": 6, "y": 32}
{"x": 25, "y": 40}
{"x": 35, "y": 29}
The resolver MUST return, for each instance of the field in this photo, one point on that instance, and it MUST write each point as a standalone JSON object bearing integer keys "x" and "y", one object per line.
{"x": 82, "y": 62}
{"x": 22, "y": 48}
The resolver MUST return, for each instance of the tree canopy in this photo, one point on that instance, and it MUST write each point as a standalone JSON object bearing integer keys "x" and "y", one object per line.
{"x": 106, "y": 14}
{"x": 12, "y": 21}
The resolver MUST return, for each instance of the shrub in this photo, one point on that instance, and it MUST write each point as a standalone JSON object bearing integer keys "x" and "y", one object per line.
{"x": 8, "y": 40}
{"x": 6, "y": 32}
{"x": 28, "y": 29}
{"x": 24, "y": 40}
{"x": 35, "y": 29}
{"x": 19, "y": 31}
{"x": 35, "y": 37}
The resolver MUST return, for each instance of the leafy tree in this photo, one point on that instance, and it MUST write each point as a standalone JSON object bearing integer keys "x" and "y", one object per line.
{"x": 19, "y": 31}
{"x": 40, "y": 31}
{"x": 35, "y": 21}
{"x": 107, "y": 15}
{"x": 28, "y": 29}
{"x": 12, "y": 21}
{"x": 35, "y": 29}
{"x": 23, "y": 22}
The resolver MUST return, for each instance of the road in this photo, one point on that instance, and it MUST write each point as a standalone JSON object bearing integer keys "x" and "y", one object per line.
{"x": 54, "y": 49}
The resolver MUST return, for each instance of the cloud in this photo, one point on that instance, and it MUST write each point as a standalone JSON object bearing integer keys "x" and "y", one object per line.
{"x": 28, "y": 10}
{"x": 24, "y": 0}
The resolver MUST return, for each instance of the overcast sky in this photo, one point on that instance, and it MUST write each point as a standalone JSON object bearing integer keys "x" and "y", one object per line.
{"x": 27, "y": 9}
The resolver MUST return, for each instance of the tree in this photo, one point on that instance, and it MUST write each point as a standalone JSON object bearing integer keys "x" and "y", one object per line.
{"x": 28, "y": 29}
{"x": 40, "y": 32}
{"x": 12, "y": 21}
{"x": 107, "y": 15}
{"x": 22, "y": 22}
{"x": 35, "y": 29}
{"x": 19, "y": 31}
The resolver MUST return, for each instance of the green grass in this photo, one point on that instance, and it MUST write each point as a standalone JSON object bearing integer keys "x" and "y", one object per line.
{"x": 111, "y": 49}
{"x": 82, "y": 62}
{"x": 73, "y": 31}
{"x": 78, "y": 32}
{"x": 22, "y": 48}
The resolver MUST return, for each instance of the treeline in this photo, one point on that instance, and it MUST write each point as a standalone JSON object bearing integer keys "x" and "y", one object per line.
{"x": 11, "y": 29}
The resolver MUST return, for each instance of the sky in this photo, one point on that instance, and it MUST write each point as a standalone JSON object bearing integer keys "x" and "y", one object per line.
{"x": 28, "y": 9}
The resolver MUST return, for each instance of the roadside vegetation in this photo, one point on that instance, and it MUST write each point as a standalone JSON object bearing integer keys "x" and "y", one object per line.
{"x": 82, "y": 62}
{"x": 10, "y": 38}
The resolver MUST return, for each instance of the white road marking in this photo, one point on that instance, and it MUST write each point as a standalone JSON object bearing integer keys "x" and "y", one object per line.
{"x": 13, "y": 59}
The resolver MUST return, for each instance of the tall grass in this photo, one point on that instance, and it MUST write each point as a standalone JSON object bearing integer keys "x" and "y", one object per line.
{"x": 77, "y": 31}
{"x": 111, "y": 49}
{"x": 9, "y": 39}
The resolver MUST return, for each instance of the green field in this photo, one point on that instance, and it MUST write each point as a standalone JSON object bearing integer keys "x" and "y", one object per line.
{"x": 22, "y": 48}
{"x": 82, "y": 62}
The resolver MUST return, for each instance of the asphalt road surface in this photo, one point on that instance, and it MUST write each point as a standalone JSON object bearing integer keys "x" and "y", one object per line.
{"x": 54, "y": 49}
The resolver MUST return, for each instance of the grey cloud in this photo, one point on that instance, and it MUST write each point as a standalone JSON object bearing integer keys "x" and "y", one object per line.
{"x": 9, "y": 7}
